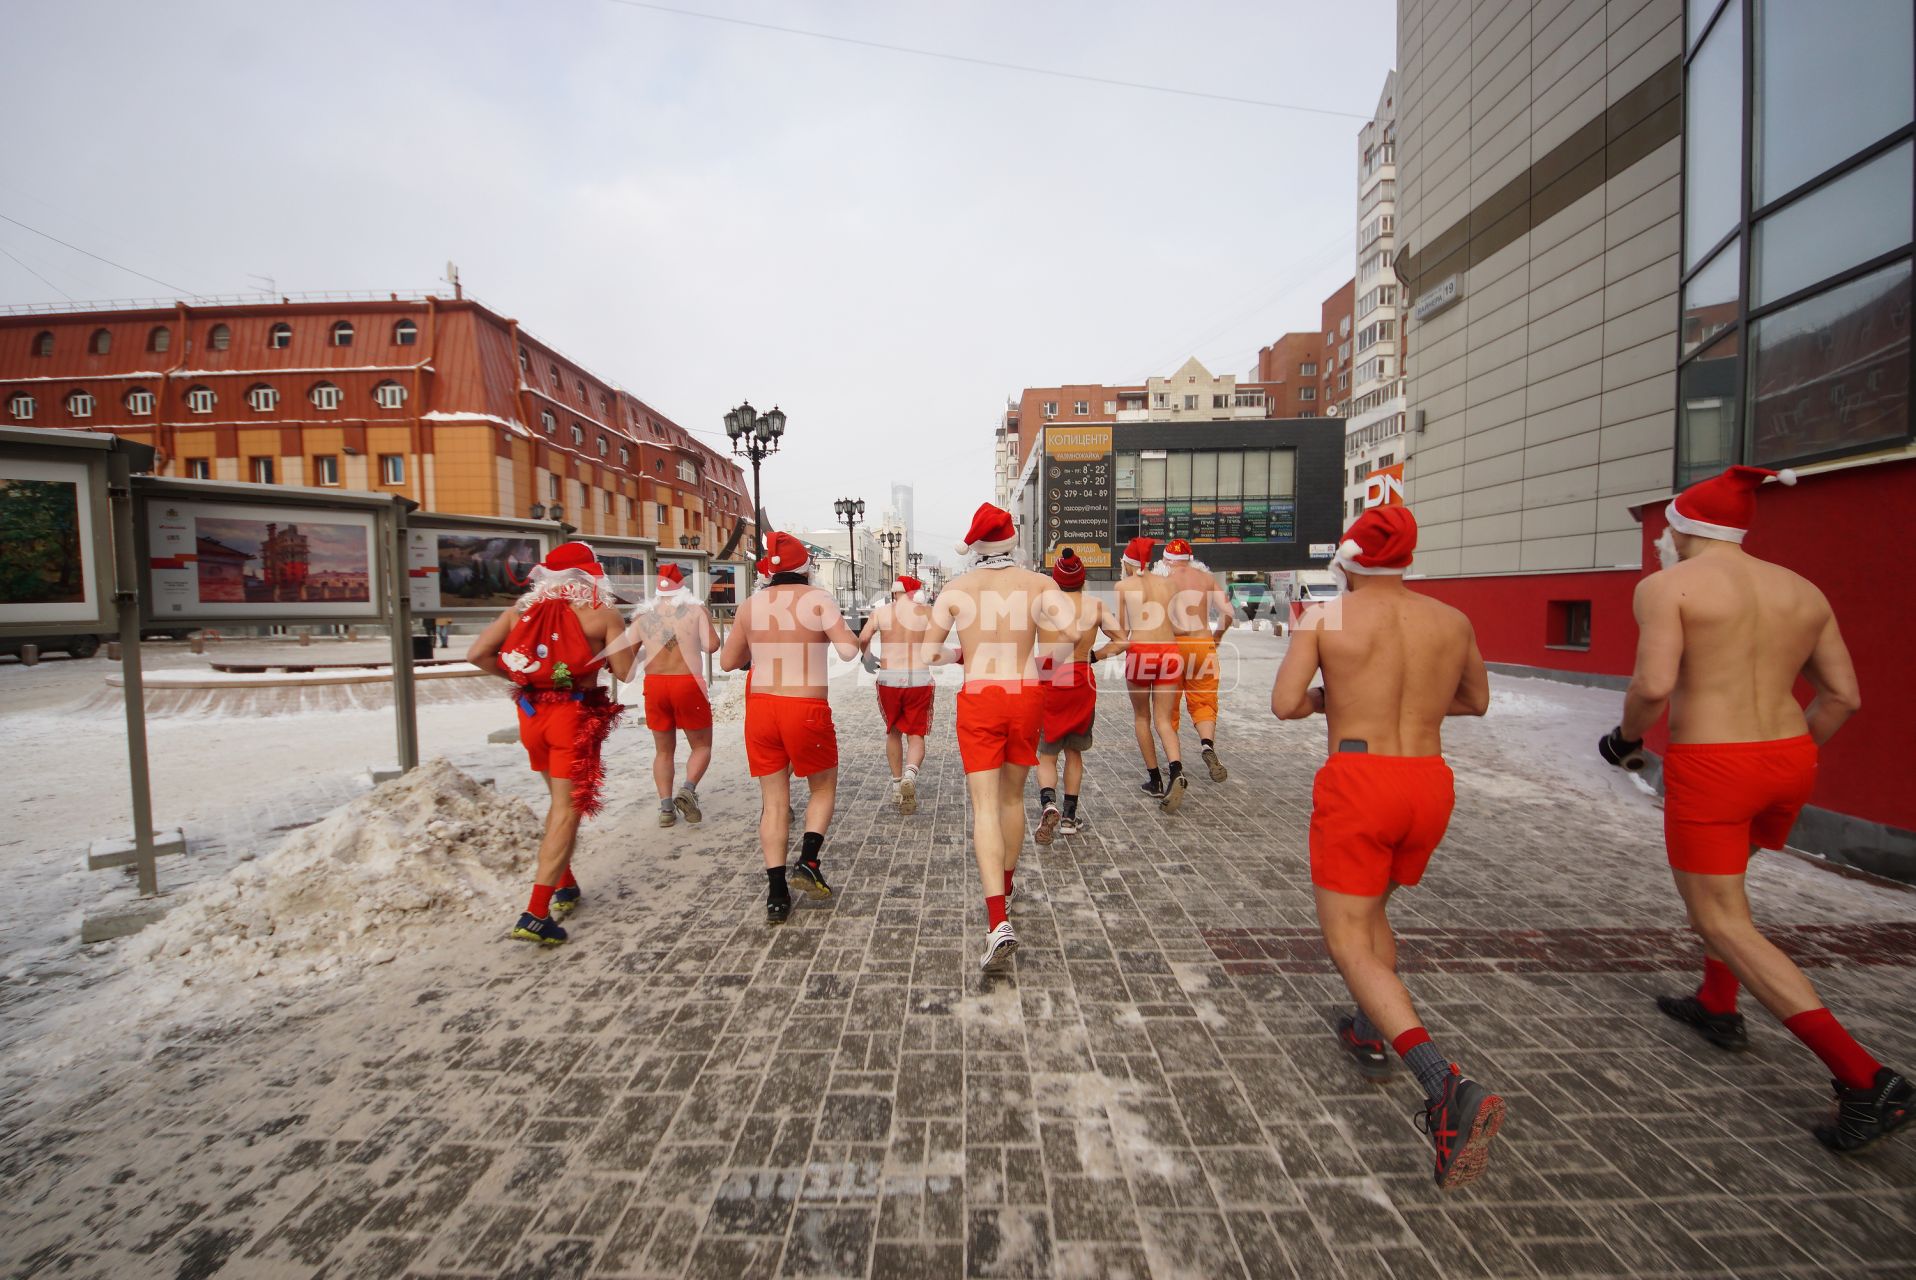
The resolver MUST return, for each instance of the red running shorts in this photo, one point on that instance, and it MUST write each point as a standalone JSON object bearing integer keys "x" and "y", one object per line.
{"x": 1153, "y": 662}
{"x": 1375, "y": 820}
{"x": 676, "y": 702}
{"x": 789, "y": 733}
{"x": 1720, "y": 799}
{"x": 998, "y": 723}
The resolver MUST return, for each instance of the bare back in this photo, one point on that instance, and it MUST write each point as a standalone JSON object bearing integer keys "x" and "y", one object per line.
{"x": 1749, "y": 629}
{"x": 1092, "y": 615}
{"x": 1393, "y": 662}
{"x": 786, "y": 630}
{"x": 902, "y": 625}
{"x": 1195, "y": 600}
{"x": 671, "y": 634}
{"x": 1144, "y": 607}
{"x": 997, "y": 614}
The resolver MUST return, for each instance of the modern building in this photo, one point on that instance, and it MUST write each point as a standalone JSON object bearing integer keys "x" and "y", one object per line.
{"x": 1374, "y": 417}
{"x": 440, "y": 399}
{"x": 1640, "y": 240}
{"x": 901, "y": 505}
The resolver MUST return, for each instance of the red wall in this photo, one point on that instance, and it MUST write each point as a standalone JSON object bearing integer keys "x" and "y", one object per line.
{"x": 1511, "y": 613}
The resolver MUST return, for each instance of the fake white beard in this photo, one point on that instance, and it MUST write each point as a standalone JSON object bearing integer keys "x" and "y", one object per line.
{"x": 1003, "y": 560}
{"x": 1667, "y": 554}
{"x": 574, "y": 586}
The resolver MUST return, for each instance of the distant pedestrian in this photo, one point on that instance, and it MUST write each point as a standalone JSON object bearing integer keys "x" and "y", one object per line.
{"x": 1395, "y": 663}
{"x": 671, "y": 634}
{"x": 1200, "y": 614}
{"x": 904, "y": 684}
{"x": 1722, "y": 639}
{"x": 1153, "y": 671}
{"x": 444, "y": 627}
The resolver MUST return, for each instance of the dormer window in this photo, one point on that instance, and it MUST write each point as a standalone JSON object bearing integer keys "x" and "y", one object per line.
{"x": 343, "y": 333}
{"x": 280, "y": 336}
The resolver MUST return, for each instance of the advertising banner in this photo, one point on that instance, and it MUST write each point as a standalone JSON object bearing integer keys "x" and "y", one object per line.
{"x": 261, "y": 562}
{"x": 1384, "y": 487}
{"x": 1078, "y": 510}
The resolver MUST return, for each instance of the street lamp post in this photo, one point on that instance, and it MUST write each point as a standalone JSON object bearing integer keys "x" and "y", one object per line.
{"x": 912, "y": 558}
{"x": 852, "y": 512}
{"x": 891, "y": 538}
{"x": 755, "y": 435}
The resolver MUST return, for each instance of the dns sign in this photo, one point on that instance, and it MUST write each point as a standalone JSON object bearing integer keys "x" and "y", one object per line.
{"x": 1385, "y": 487}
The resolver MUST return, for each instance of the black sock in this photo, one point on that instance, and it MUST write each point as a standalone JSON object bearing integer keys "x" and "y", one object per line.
{"x": 1177, "y": 769}
{"x": 1070, "y": 806}
{"x": 1157, "y": 779}
{"x": 778, "y": 891}
{"x": 1047, "y": 795}
{"x": 1205, "y": 743}
{"x": 808, "y": 847}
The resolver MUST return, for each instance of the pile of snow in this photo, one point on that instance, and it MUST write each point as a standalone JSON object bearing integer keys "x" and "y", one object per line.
{"x": 433, "y": 844}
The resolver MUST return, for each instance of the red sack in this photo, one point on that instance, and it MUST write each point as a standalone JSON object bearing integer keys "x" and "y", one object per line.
{"x": 548, "y": 649}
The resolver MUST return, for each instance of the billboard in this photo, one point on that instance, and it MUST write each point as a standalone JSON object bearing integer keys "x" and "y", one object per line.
{"x": 260, "y": 562}
{"x": 468, "y": 568}
{"x": 49, "y": 566}
{"x": 1078, "y": 511}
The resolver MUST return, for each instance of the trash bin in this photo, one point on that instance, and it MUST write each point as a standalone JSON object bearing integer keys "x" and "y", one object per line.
{"x": 421, "y": 647}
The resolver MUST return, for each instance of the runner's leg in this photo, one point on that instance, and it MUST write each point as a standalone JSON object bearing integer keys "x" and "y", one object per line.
{"x": 1164, "y": 712}
{"x": 987, "y": 842}
{"x": 818, "y": 808}
{"x": 775, "y": 816}
{"x": 700, "y": 741}
{"x": 1719, "y": 909}
{"x": 895, "y": 753}
{"x": 665, "y": 746}
{"x": 562, "y": 832}
{"x": 914, "y": 751}
{"x": 1141, "y": 724}
{"x": 1011, "y": 812}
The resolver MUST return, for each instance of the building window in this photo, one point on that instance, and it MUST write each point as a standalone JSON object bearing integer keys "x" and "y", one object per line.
{"x": 326, "y": 469}
{"x": 1051, "y": 408}
{"x": 1081, "y": 407}
{"x": 664, "y": 517}
{"x": 1567, "y": 625}
{"x": 280, "y": 336}
{"x": 584, "y": 399}
{"x": 1307, "y": 393}
{"x": 1308, "y": 369}
{"x": 1190, "y": 402}
{"x": 101, "y": 343}
{"x": 525, "y": 362}
{"x": 21, "y": 407}
{"x": 343, "y": 333}
{"x": 405, "y": 333}
{"x": 200, "y": 399}
{"x": 325, "y": 396}
{"x": 199, "y": 468}
{"x": 43, "y": 343}
{"x": 262, "y": 470}
{"x": 608, "y": 502}
{"x": 139, "y": 402}
{"x": 552, "y": 488}
{"x": 605, "y": 447}
{"x": 389, "y": 395}
{"x": 688, "y": 473}
{"x": 80, "y": 404}
{"x": 578, "y": 434}
{"x": 219, "y": 337}
{"x": 262, "y": 398}
{"x": 625, "y": 456}
{"x": 159, "y": 338}
{"x": 392, "y": 468}
{"x": 553, "y": 375}
{"x": 548, "y": 422}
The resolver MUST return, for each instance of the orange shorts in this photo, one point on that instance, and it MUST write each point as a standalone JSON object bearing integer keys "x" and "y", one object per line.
{"x": 676, "y": 702}
{"x": 789, "y": 733}
{"x": 906, "y": 708}
{"x": 1375, "y": 820}
{"x": 1723, "y": 798}
{"x": 1153, "y": 662}
{"x": 1199, "y": 656}
{"x": 550, "y": 735}
{"x": 998, "y": 723}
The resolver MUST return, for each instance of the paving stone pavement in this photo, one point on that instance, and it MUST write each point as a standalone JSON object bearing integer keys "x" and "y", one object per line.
{"x": 1151, "y": 1090}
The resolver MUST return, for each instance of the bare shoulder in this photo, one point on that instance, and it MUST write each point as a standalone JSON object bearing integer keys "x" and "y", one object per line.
{"x": 1445, "y": 615}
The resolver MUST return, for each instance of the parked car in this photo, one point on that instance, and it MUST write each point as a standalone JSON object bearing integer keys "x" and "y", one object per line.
{"x": 80, "y": 646}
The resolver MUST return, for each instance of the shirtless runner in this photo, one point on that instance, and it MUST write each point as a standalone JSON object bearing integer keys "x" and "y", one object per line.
{"x": 904, "y": 684}
{"x": 782, "y": 634}
{"x": 997, "y": 608}
{"x": 1071, "y": 700}
{"x": 1395, "y": 664}
{"x": 551, "y": 643}
{"x": 1200, "y": 615}
{"x": 1153, "y": 670}
{"x": 671, "y": 632}
{"x": 1722, "y": 638}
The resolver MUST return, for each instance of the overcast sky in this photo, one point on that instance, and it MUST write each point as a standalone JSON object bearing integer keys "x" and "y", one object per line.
{"x": 884, "y": 244}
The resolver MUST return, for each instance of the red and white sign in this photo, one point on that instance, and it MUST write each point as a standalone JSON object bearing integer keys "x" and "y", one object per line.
{"x": 1384, "y": 487}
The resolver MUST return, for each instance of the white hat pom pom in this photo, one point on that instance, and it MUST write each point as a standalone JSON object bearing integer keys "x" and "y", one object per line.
{"x": 776, "y": 560}
{"x": 1786, "y": 476}
{"x": 962, "y": 548}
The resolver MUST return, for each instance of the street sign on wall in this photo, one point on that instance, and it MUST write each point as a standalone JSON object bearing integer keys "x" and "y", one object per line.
{"x": 1077, "y": 504}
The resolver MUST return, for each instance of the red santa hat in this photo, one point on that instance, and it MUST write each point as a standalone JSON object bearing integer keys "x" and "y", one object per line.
{"x": 573, "y": 555}
{"x": 1381, "y": 541}
{"x": 906, "y": 583}
{"x": 671, "y": 579}
{"x": 1723, "y": 506}
{"x": 1137, "y": 552}
{"x": 992, "y": 532}
{"x": 783, "y": 554}
{"x": 1067, "y": 570}
{"x": 1177, "y": 549}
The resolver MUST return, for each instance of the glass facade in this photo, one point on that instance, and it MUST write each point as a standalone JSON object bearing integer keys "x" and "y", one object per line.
{"x": 1207, "y": 495}
{"x": 1799, "y": 144}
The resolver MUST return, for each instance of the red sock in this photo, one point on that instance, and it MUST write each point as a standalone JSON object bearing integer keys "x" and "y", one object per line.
{"x": 1404, "y": 1043}
{"x": 1008, "y": 874}
{"x": 566, "y": 881}
{"x": 1848, "y": 1061}
{"x": 1718, "y": 992}
{"x": 541, "y": 904}
{"x": 994, "y": 911}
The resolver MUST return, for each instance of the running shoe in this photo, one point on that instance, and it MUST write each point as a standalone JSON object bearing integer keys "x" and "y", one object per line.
{"x": 1174, "y": 793}
{"x": 668, "y": 816}
{"x": 809, "y": 878}
{"x": 1373, "y": 1063}
{"x": 1048, "y": 824}
{"x": 1152, "y": 787}
{"x": 1218, "y": 772}
{"x": 687, "y": 803}
{"x": 1461, "y": 1124}
{"x": 1724, "y": 1030}
{"x": 1002, "y": 942}
{"x": 908, "y": 795}
{"x": 565, "y": 901}
{"x": 540, "y": 929}
{"x": 1864, "y": 1115}
{"x": 778, "y": 910}
{"x": 1071, "y": 826}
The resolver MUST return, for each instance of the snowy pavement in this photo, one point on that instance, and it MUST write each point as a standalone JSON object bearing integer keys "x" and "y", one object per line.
{"x": 1151, "y": 1090}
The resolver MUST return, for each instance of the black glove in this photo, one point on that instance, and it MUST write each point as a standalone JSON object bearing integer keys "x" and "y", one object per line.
{"x": 1620, "y": 751}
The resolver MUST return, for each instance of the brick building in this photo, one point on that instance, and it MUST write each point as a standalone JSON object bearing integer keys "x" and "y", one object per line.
{"x": 440, "y": 399}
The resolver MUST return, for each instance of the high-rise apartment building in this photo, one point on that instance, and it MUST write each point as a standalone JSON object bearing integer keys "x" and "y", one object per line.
{"x": 1374, "y": 422}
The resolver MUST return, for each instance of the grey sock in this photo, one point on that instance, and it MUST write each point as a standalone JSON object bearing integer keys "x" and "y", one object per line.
{"x": 1365, "y": 1029}
{"x": 665, "y": 806}
{"x": 1431, "y": 1068}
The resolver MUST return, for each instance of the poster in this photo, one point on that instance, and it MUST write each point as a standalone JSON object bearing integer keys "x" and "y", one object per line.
{"x": 49, "y": 567}
{"x": 1078, "y": 511}
{"x": 260, "y": 562}
{"x": 625, "y": 570}
{"x": 468, "y": 568}
{"x": 724, "y": 585}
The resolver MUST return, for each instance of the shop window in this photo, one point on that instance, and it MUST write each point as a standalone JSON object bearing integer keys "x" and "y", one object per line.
{"x": 1714, "y": 174}
{"x": 1861, "y": 215}
{"x": 1568, "y": 625}
{"x": 1706, "y": 413}
{"x": 1710, "y": 300}
{"x": 1825, "y": 88}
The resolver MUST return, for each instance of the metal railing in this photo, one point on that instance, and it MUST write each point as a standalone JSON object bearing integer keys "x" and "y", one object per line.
{"x": 225, "y": 300}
